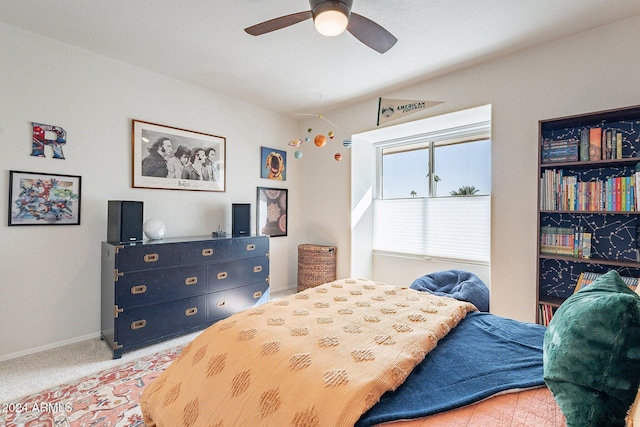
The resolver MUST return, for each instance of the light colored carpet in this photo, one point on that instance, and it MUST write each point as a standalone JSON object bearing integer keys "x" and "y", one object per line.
{"x": 36, "y": 372}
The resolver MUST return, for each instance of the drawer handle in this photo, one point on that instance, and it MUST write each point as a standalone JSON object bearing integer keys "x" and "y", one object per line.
{"x": 257, "y": 295}
{"x": 141, "y": 289}
{"x": 251, "y": 247}
{"x": 191, "y": 311}
{"x": 207, "y": 252}
{"x": 151, "y": 257}
{"x": 117, "y": 310}
{"x": 222, "y": 275}
{"x": 138, "y": 324}
{"x": 190, "y": 281}
{"x": 257, "y": 269}
{"x": 221, "y": 304}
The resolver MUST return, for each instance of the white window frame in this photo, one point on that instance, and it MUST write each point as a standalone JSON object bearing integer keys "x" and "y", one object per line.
{"x": 451, "y": 228}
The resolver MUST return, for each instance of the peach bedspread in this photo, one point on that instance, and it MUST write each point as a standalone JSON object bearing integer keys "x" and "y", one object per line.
{"x": 535, "y": 407}
{"x": 321, "y": 357}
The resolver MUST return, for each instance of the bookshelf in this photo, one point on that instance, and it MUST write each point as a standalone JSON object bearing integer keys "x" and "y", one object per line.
{"x": 588, "y": 201}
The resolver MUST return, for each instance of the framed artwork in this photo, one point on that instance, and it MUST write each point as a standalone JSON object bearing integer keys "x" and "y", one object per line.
{"x": 177, "y": 159}
{"x": 271, "y": 212}
{"x": 43, "y": 199}
{"x": 274, "y": 164}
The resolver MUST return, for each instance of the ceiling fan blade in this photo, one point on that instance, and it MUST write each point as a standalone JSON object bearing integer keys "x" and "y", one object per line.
{"x": 278, "y": 23}
{"x": 370, "y": 33}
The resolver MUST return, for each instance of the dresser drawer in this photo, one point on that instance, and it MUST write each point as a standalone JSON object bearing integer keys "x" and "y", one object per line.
{"x": 156, "y": 290}
{"x": 226, "y": 275}
{"x": 158, "y": 286}
{"x": 147, "y": 257}
{"x": 205, "y": 251}
{"x": 249, "y": 247}
{"x": 147, "y": 323}
{"x": 225, "y": 303}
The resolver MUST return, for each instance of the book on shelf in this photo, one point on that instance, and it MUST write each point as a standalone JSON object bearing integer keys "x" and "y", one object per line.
{"x": 611, "y": 144}
{"x": 587, "y": 277}
{"x": 584, "y": 145}
{"x": 595, "y": 143}
{"x": 607, "y": 144}
{"x": 545, "y": 313}
{"x": 613, "y": 193}
{"x": 636, "y": 187}
{"x": 586, "y": 245}
{"x": 618, "y": 145}
{"x": 565, "y": 241}
{"x": 565, "y": 150}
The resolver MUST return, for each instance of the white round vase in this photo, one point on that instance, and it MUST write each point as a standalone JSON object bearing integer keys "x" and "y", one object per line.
{"x": 154, "y": 229}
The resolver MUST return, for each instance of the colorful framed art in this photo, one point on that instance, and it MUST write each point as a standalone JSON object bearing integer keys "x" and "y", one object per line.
{"x": 271, "y": 215}
{"x": 274, "y": 164}
{"x": 37, "y": 198}
{"x": 171, "y": 158}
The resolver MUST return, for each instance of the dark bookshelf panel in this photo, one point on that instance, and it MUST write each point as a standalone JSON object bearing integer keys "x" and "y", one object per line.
{"x": 558, "y": 277}
{"x": 591, "y": 119}
{"x": 607, "y": 163}
{"x": 612, "y": 263}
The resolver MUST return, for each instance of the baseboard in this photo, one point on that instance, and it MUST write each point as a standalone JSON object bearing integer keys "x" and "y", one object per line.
{"x": 48, "y": 347}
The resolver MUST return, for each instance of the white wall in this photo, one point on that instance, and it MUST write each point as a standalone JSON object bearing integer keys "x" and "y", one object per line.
{"x": 50, "y": 281}
{"x": 592, "y": 71}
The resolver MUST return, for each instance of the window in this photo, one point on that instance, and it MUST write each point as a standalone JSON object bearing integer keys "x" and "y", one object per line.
{"x": 441, "y": 215}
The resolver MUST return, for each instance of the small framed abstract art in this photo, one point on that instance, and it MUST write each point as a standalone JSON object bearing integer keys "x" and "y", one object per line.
{"x": 271, "y": 215}
{"x": 177, "y": 159}
{"x": 44, "y": 199}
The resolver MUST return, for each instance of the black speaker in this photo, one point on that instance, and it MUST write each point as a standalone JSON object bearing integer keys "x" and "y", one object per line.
{"x": 240, "y": 219}
{"x": 124, "y": 221}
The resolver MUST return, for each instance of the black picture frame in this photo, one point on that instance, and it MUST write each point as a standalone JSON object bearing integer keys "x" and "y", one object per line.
{"x": 178, "y": 170}
{"x": 40, "y": 198}
{"x": 271, "y": 211}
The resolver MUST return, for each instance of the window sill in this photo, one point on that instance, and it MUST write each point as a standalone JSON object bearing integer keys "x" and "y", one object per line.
{"x": 429, "y": 258}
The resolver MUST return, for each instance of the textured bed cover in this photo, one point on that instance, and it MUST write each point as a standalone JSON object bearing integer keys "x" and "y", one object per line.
{"x": 321, "y": 357}
{"x": 533, "y": 407}
{"x": 483, "y": 356}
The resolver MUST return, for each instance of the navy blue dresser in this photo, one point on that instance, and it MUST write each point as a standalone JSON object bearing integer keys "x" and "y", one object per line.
{"x": 157, "y": 290}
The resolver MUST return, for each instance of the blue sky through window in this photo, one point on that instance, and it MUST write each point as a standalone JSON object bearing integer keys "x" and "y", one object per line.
{"x": 457, "y": 165}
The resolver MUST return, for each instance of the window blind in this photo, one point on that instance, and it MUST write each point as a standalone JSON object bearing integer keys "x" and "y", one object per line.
{"x": 441, "y": 227}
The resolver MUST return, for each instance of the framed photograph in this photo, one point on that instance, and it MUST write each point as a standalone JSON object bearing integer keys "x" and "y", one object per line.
{"x": 274, "y": 164}
{"x": 43, "y": 199}
{"x": 271, "y": 212}
{"x": 177, "y": 159}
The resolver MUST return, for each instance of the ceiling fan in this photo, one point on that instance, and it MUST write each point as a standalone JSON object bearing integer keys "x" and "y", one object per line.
{"x": 331, "y": 18}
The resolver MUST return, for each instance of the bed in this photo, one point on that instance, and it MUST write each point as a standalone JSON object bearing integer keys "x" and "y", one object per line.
{"x": 356, "y": 352}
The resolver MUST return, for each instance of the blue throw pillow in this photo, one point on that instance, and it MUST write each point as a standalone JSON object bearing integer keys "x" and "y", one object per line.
{"x": 459, "y": 284}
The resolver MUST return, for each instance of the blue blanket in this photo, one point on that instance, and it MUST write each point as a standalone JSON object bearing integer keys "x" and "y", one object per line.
{"x": 458, "y": 284}
{"x": 484, "y": 355}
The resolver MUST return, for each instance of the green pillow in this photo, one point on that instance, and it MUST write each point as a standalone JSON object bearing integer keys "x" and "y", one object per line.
{"x": 592, "y": 353}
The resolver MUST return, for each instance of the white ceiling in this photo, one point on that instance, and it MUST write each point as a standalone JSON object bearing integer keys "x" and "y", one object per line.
{"x": 295, "y": 70}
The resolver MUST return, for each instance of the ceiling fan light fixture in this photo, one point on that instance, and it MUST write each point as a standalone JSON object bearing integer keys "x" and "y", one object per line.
{"x": 331, "y": 18}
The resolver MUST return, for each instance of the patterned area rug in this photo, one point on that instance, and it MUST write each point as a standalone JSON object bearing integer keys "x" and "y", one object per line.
{"x": 108, "y": 398}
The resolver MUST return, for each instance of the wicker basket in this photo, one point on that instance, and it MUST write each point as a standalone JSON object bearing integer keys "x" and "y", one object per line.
{"x": 316, "y": 265}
